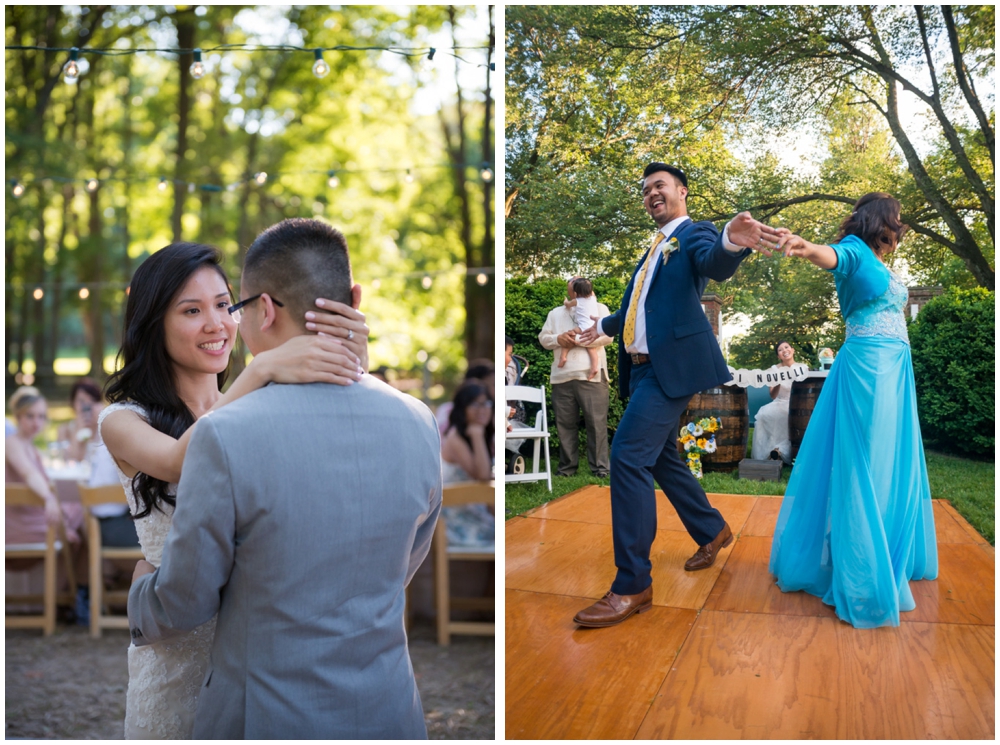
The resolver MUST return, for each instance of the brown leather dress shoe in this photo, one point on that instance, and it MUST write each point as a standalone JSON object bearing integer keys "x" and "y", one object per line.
{"x": 704, "y": 557}
{"x": 612, "y": 609}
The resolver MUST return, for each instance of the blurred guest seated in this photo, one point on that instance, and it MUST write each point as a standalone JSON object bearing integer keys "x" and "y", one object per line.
{"x": 83, "y": 436}
{"x": 467, "y": 455}
{"x": 480, "y": 370}
{"x": 23, "y": 465}
{"x": 87, "y": 401}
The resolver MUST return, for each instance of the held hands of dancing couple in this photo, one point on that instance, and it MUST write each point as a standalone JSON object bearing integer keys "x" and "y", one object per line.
{"x": 743, "y": 230}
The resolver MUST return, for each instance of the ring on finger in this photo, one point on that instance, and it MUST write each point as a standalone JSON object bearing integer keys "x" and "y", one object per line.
{"x": 350, "y": 334}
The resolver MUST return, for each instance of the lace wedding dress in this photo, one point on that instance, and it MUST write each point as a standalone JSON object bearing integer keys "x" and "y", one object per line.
{"x": 770, "y": 429}
{"x": 163, "y": 679}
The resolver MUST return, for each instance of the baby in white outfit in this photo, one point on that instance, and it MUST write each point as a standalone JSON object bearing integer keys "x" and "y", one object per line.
{"x": 582, "y": 304}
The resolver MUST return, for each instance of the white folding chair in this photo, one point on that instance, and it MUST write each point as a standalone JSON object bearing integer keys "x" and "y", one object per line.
{"x": 539, "y": 432}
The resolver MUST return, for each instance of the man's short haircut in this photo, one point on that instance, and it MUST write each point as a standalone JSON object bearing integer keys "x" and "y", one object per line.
{"x": 672, "y": 170}
{"x": 583, "y": 287}
{"x": 508, "y": 342}
{"x": 298, "y": 261}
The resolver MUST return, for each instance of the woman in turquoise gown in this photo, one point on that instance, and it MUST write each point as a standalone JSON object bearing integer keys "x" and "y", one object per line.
{"x": 857, "y": 524}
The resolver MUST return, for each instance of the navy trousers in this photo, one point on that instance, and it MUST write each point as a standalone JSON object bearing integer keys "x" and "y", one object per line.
{"x": 645, "y": 448}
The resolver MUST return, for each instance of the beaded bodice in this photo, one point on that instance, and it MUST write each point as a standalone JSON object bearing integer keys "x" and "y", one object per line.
{"x": 883, "y": 316}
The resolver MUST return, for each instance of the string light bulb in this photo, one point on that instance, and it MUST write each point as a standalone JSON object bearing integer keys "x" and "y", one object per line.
{"x": 162, "y": 186}
{"x": 260, "y": 178}
{"x": 197, "y": 67}
{"x": 190, "y": 188}
{"x": 92, "y": 185}
{"x": 71, "y": 70}
{"x": 426, "y": 282}
{"x": 84, "y": 293}
{"x": 482, "y": 279}
{"x": 408, "y": 178}
{"x": 320, "y": 68}
{"x": 38, "y": 294}
{"x": 333, "y": 182}
{"x": 17, "y": 189}
{"x": 427, "y": 63}
{"x": 486, "y": 173}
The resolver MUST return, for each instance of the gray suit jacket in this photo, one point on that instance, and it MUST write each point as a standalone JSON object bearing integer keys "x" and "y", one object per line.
{"x": 302, "y": 514}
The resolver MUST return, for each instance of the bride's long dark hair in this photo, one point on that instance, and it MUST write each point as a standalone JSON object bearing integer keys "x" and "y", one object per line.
{"x": 146, "y": 374}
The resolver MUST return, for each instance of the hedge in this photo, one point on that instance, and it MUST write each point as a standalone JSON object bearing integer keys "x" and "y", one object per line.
{"x": 952, "y": 341}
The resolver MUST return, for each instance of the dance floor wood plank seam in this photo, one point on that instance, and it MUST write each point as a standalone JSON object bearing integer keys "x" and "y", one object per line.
{"x": 724, "y": 653}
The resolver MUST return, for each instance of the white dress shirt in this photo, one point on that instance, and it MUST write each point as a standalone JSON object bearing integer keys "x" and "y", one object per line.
{"x": 559, "y": 321}
{"x": 640, "y": 345}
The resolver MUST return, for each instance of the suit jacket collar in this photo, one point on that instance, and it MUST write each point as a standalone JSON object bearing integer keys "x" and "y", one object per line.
{"x": 672, "y": 228}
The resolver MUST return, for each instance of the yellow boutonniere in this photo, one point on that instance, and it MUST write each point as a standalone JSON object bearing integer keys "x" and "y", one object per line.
{"x": 672, "y": 245}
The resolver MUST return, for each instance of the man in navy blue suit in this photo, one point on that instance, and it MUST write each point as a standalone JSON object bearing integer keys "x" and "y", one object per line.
{"x": 666, "y": 353}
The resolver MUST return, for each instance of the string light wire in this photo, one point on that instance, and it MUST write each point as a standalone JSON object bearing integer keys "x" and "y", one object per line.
{"x": 418, "y": 52}
{"x": 260, "y": 178}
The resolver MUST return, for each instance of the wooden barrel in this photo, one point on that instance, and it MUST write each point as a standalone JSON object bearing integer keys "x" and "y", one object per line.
{"x": 728, "y": 404}
{"x": 805, "y": 394}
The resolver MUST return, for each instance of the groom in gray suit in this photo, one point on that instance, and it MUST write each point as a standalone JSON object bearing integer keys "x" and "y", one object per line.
{"x": 302, "y": 513}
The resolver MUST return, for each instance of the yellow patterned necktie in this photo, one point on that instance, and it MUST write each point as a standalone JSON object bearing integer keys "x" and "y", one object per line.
{"x": 628, "y": 334}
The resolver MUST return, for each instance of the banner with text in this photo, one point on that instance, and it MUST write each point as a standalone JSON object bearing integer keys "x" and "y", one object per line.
{"x": 772, "y": 376}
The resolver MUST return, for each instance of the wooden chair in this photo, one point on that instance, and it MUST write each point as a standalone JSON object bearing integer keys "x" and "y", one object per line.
{"x": 99, "y": 598}
{"x": 19, "y": 495}
{"x": 453, "y": 495}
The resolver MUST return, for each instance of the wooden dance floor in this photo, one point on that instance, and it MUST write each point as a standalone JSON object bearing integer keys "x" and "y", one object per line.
{"x": 724, "y": 653}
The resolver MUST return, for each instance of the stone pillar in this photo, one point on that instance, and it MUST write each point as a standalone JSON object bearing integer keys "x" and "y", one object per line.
{"x": 919, "y": 296}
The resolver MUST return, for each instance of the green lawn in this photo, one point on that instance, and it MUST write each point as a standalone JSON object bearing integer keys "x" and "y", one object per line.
{"x": 967, "y": 484}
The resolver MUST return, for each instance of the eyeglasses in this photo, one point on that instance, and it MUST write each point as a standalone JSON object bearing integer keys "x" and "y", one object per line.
{"x": 234, "y": 310}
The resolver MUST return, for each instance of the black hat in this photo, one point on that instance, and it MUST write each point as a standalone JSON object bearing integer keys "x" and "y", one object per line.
{"x": 673, "y": 170}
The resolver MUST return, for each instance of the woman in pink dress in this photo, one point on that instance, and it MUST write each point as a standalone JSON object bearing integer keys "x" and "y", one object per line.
{"x": 23, "y": 465}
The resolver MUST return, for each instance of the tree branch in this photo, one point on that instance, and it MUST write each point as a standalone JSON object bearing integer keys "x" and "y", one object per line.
{"x": 965, "y": 83}
{"x": 927, "y": 51}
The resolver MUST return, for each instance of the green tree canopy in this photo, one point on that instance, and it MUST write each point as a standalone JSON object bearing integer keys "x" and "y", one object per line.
{"x": 257, "y": 139}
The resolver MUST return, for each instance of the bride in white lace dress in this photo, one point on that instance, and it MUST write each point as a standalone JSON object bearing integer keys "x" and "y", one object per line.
{"x": 178, "y": 336}
{"x": 770, "y": 428}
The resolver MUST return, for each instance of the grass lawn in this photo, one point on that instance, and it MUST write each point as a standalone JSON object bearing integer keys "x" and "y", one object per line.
{"x": 967, "y": 484}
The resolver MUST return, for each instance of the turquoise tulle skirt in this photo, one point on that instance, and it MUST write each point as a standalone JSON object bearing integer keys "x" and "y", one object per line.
{"x": 857, "y": 523}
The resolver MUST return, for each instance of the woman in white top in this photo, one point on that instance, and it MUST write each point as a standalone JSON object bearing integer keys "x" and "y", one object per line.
{"x": 770, "y": 430}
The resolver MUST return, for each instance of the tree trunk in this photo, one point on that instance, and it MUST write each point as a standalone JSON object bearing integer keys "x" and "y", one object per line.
{"x": 43, "y": 366}
{"x": 185, "y": 40}
{"x": 966, "y": 247}
{"x": 58, "y": 291}
{"x": 94, "y": 316}
{"x": 480, "y": 310}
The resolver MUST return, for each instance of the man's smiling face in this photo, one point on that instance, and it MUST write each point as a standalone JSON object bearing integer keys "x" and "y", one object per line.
{"x": 664, "y": 197}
